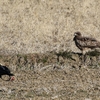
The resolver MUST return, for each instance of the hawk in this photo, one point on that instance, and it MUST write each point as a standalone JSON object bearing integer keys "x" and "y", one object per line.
{"x": 85, "y": 43}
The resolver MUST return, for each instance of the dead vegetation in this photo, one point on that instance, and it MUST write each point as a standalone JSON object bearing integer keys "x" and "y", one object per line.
{"x": 44, "y": 77}
{"x": 31, "y": 28}
{"x": 38, "y": 26}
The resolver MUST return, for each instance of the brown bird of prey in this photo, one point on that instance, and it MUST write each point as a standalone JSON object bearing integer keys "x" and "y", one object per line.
{"x": 85, "y": 43}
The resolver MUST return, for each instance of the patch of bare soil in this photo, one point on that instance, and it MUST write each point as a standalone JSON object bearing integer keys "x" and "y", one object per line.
{"x": 51, "y": 77}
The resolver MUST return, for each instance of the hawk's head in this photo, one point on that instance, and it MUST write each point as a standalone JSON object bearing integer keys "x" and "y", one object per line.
{"x": 77, "y": 34}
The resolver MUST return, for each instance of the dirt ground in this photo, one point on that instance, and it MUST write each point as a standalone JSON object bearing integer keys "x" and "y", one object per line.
{"x": 40, "y": 79}
{"x": 55, "y": 84}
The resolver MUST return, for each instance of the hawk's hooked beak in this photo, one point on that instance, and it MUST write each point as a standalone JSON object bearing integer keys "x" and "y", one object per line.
{"x": 75, "y": 34}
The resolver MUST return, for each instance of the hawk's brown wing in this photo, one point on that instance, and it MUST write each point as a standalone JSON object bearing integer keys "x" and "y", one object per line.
{"x": 87, "y": 42}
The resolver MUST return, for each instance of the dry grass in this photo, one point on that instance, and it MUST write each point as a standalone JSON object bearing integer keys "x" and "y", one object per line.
{"x": 43, "y": 77}
{"x": 58, "y": 84}
{"x": 38, "y": 26}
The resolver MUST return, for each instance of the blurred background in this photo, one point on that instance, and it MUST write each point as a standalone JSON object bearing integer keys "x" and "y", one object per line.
{"x": 39, "y": 26}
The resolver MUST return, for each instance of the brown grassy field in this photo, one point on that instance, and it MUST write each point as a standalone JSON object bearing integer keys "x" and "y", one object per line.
{"x": 59, "y": 84}
{"x": 38, "y": 26}
{"x": 33, "y": 35}
{"x": 44, "y": 77}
